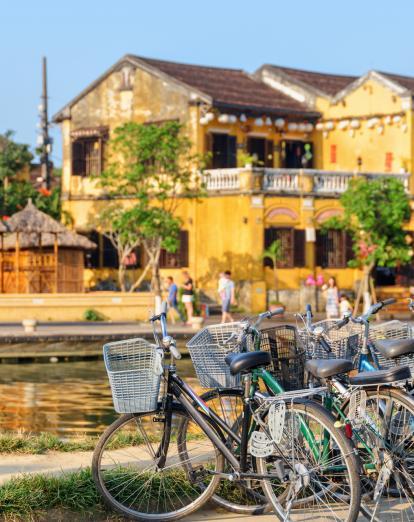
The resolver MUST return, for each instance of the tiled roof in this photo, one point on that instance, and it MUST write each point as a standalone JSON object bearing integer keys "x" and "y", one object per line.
{"x": 405, "y": 81}
{"x": 229, "y": 87}
{"x": 327, "y": 83}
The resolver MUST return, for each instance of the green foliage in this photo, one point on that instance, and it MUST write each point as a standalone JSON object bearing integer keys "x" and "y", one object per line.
{"x": 153, "y": 165}
{"x": 42, "y": 443}
{"x": 14, "y": 157}
{"x": 375, "y": 212}
{"x": 93, "y": 315}
{"x": 274, "y": 252}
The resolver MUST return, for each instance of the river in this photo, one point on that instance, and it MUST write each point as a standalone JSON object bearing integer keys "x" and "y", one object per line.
{"x": 68, "y": 399}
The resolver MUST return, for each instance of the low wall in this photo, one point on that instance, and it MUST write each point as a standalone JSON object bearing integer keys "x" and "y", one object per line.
{"x": 115, "y": 306}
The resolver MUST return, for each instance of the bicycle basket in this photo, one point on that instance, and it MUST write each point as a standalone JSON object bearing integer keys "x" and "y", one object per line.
{"x": 344, "y": 343}
{"x": 134, "y": 368}
{"x": 391, "y": 330}
{"x": 287, "y": 353}
{"x": 208, "y": 351}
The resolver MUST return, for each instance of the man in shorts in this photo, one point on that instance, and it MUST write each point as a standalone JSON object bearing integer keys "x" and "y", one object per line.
{"x": 227, "y": 297}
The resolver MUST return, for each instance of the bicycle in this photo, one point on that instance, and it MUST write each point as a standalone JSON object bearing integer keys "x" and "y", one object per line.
{"x": 209, "y": 350}
{"x": 163, "y": 459}
{"x": 374, "y": 406}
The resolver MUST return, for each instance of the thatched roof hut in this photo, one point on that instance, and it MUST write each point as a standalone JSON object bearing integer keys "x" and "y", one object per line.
{"x": 40, "y": 254}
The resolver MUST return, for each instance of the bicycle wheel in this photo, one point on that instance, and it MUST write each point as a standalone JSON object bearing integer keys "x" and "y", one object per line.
{"x": 142, "y": 471}
{"x": 316, "y": 466}
{"x": 241, "y": 496}
{"x": 386, "y": 430}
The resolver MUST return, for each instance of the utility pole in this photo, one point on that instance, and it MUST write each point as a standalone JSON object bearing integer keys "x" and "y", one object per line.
{"x": 45, "y": 141}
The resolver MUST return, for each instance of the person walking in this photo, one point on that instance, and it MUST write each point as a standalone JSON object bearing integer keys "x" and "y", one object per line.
{"x": 172, "y": 300}
{"x": 188, "y": 296}
{"x": 332, "y": 299}
{"x": 227, "y": 296}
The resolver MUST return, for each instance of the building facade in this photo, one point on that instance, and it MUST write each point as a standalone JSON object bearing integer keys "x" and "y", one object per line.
{"x": 284, "y": 144}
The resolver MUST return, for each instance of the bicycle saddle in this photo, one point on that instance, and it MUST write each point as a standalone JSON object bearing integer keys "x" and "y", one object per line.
{"x": 391, "y": 348}
{"x": 241, "y": 362}
{"x": 324, "y": 368}
{"x": 398, "y": 373}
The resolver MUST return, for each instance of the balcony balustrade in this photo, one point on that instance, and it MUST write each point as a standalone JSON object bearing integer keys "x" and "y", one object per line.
{"x": 291, "y": 181}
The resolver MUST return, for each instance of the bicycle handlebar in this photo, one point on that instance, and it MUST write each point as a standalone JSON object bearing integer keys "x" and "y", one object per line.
{"x": 167, "y": 341}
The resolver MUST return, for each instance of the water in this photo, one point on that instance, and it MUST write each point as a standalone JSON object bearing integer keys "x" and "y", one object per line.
{"x": 68, "y": 398}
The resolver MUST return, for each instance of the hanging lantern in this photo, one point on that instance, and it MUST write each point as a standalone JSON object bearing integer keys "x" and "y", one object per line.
{"x": 280, "y": 123}
{"x": 258, "y": 122}
{"x": 302, "y": 127}
{"x": 343, "y": 124}
{"x": 224, "y": 118}
{"x": 404, "y": 127}
{"x": 380, "y": 129}
{"x": 352, "y": 133}
{"x": 387, "y": 120}
{"x": 209, "y": 116}
{"x": 204, "y": 120}
{"x": 243, "y": 118}
{"x": 292, "y": 126}
{"x": 396, "y": 118}
{"x": 319, "y": 126}
{"x": 329, "y": 125}
{"x": 325, "y": 134}
{"x": 355, "y": 124}
{"x": 308, "y": 127}
{"x": 232, "y": 118}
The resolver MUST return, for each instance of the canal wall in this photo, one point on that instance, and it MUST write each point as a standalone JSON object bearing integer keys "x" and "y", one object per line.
{"x": 114, "y": 306}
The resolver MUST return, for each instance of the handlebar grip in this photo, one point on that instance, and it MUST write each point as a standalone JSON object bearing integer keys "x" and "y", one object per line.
{"x": 164, "y": 307}
{"x": 343, "y": 322}
{"x": 308, "y": 308}
{"x": 175, "y": 352}
{"x": 278, "y": 311}
{"x": 389, "y": 301}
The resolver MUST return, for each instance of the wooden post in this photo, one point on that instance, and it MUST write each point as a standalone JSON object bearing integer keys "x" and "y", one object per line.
{"x": 55, "y": 250}
{"x": 17, "y": 263}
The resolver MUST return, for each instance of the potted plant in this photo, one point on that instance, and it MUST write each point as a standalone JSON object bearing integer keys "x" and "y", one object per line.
{"x": 244, "y": 159}
{"x": 274, "y": 252}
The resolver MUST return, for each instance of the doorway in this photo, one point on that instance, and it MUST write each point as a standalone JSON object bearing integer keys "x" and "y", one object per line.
{"x": 295, "y": 154}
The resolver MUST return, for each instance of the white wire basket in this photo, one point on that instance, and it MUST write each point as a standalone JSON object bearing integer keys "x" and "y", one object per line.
{"x": 344, "y": 343}
{"x": 208, "y": 353}
{"x": 392, "y": 330}
{"x": 134, "y": 369}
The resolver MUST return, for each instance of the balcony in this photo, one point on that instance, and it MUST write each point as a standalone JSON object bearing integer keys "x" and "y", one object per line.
{"x": 288, "y": 181}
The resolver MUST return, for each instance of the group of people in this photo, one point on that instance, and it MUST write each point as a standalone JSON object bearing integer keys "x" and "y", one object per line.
{"x": 226, "y": 292}
{"x": 336, "y": 303}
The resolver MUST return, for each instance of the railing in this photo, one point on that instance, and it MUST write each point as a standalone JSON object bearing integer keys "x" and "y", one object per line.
{"x": 222, "y": 179}
{"x": 281, "y": 180}
{"x": 291, "y": 181}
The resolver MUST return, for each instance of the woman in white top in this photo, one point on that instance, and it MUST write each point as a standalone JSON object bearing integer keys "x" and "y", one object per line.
{"x": 332, "y": 299}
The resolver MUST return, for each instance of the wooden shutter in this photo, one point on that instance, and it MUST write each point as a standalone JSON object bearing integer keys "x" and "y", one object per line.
{"x": 269, "y": 154}
{"x": 299, "y": 248}
{"x": 231, "y": 152}
{"x": 349, "y": 252}
{"x": 208, "y": 148}
{"x": 78, "y": 158}
{"x": 320, "y": 249}
{"x": 183, "y": 248}
{"x": 269, "y": 237}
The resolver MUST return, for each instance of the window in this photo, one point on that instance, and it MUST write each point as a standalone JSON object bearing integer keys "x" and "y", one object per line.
{"x": 296, "y": 154}
{"x": 179, "y": 258}
{"x": 262, "y": 150}
{"x": 333, "y": 248}
{"x": 87, "y": 156}
{"x": 223, "y": 149}
{"x": 293, "y": 246}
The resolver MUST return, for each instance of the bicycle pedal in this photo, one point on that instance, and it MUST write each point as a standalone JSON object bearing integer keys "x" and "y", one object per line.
{"x": 260, "y": 445}
{"x": 357, "y": 406}
{"x": 158, "y": 418}
{"x": 276, "y": 420}
{"x": 198, "y": 474}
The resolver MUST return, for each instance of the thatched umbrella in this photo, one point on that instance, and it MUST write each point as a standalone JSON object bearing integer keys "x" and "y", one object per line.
{"x": 31, "y": 228}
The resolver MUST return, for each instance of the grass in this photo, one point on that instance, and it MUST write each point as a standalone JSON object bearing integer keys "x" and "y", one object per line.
{"x": 37, "y": 444}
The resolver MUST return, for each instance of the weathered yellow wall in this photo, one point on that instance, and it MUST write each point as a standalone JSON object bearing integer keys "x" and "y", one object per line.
{"x": 116, "y": 306}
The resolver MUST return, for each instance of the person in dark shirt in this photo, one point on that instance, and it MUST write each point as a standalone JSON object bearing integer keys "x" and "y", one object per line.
{"x": 172, "y": 298}
{"x": 188, "y": 296}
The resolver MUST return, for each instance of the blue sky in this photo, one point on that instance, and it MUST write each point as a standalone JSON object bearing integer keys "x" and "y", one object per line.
{"x": 83, "y": 38}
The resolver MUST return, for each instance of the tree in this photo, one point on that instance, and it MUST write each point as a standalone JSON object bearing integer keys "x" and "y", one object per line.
{"x": 14, "y": 157}
{"x": 153, "y": 167}
{"x": 275, "y": 253}
{"x": 375, "y": 212}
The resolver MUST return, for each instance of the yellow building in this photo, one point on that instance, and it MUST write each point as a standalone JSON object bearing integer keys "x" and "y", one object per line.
{"x": 284, "y": 144}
